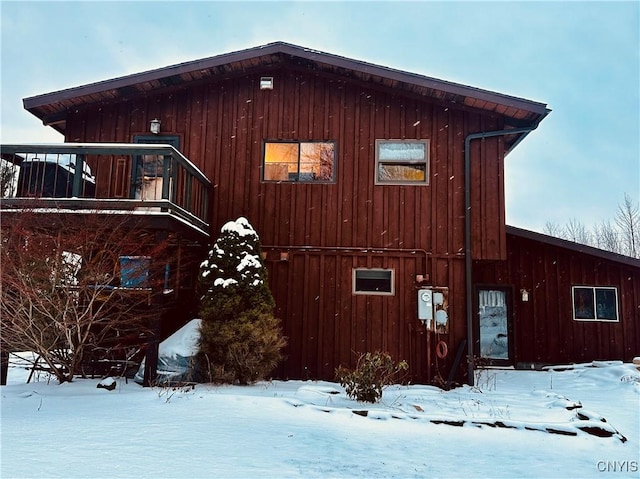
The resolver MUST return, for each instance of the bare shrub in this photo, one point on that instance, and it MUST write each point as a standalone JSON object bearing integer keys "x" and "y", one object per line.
{"x": 373, "y": 372}
{"x": 60, "y": 288}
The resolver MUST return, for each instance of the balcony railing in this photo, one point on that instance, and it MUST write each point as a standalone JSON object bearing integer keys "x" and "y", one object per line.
{"x": 105, "y": 176}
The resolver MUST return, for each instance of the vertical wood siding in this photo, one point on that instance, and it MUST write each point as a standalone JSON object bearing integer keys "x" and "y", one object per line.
{"x": 222, "y": 127}
{"x": 545, "y": 331}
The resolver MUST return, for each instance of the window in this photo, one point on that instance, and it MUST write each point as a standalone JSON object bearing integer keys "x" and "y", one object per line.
{"x": 373, "y": 281}
{"x": 595, "y": 303}
{"x": 65, "y": 272}
{"x": 312, "y": 161}
{"x": 134, "y": 271}
{"x": 400, "y": 162}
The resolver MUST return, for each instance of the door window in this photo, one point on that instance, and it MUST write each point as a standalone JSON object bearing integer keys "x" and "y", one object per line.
{"x": 149, "y": 169}
{"x": 493, "y": 317}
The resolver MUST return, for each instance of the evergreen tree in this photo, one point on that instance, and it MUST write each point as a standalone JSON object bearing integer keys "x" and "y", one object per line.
{"x": 241, "y": 340}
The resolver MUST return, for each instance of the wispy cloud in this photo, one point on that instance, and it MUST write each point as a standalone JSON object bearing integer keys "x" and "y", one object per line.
{"x": 581, "y": 58}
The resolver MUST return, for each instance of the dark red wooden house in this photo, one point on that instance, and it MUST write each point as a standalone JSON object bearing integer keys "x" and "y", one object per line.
{"x": 565, "y": 302}
{"x": 379, "y": 198}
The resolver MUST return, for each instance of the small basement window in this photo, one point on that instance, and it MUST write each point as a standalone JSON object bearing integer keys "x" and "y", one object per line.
{"x": 592, "y": 303}
{"x": 402, "y": 162}
{"x": 299, "y": 161}
{"x": 373, "y": 281}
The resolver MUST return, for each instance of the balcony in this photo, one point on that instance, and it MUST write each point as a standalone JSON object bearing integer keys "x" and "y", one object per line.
{"x": 153, "y": 181}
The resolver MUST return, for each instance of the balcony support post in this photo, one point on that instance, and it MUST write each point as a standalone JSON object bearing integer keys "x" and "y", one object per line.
{"x": 78, "y": 176}
{"x": 166, "y": 177}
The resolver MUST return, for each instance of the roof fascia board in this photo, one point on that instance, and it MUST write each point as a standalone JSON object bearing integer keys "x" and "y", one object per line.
{"x": 146, "y": 76}
{"x": 293, "y": 51}
{"x": 442, "y": 85}
{"x": 577, "y": 247}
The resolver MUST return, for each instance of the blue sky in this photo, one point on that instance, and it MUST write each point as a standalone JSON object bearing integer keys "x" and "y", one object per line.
{"x": 581, "y": 58}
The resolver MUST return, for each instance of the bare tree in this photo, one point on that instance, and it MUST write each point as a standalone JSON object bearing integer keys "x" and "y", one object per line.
{"x": 606, "y": 237}
{"x": 628, "y": 221}
{"x": 622, "y": 236}
{"x": 577, "y": 232}
{"x": 554, "y": 229}
{"x": 61, "y": 289}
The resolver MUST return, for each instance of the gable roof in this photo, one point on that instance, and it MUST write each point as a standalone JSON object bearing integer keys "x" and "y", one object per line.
{"x": 51, "y": 107}
{"x": 572, "y": 246}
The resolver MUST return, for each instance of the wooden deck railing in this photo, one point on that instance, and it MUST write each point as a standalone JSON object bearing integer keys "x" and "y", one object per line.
{"x": 105, "y": 176}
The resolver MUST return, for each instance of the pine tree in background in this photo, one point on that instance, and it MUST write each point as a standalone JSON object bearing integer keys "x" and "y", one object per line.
{"x": 241, "y": 340}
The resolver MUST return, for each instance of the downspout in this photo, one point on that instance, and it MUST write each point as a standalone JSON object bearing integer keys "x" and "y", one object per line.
{"x": 467, "y": 231}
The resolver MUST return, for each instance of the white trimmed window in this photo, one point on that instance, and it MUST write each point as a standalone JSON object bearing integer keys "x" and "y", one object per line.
{"x": 373, "y": 281}
{"x": 595, "y": 303}
{"x": 402, "y": 162}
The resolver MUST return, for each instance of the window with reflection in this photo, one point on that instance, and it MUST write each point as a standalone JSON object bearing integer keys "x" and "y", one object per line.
{"x": 400, "y": 162}
{"x": 593, "y": 303}
{"x": 299, "y": 161}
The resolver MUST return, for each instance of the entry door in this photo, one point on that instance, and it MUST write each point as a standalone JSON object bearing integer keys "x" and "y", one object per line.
{"x": 148, "y": 170}
{"x": 494, "y": 325}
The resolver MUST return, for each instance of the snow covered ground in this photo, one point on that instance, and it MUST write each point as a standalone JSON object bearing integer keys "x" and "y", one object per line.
{"x": 515, "y": 424}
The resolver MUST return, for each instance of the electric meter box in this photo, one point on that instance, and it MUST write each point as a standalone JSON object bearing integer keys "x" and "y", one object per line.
{"x": 425, "y": 304}
{"x": 438, "y": 298}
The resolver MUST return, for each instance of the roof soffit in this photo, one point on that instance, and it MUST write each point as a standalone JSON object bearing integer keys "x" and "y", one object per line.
{"x": 53, "y": 105}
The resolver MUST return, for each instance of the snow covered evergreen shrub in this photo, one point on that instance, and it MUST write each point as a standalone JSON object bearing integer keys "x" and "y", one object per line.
{"x": 373, "y": 372}
{"x": 241, "y": 340}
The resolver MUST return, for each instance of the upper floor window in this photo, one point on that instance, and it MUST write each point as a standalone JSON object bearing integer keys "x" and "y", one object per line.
{"x": 595, "y": 303}
{"x": 301, "y": 161}
{"x": 401, "y": 162}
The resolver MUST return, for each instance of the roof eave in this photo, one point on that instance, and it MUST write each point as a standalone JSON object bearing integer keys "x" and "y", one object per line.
{"x": 37, "y": 104}
{"x": 522, "y": 136}
{"x": 577, "y": 247}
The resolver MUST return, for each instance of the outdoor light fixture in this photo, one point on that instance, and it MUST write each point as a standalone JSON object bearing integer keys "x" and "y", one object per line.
{"x": 525, "y": 295}
{"x": 266, "y": 83}
{"x": 155, "y": 126}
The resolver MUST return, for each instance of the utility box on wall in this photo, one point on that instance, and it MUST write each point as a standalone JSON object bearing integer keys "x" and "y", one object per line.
{"x": 433, "y": 305}
{"x": 425, "y": 305}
